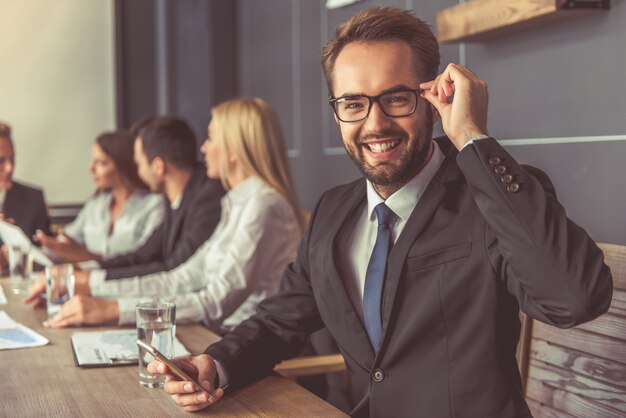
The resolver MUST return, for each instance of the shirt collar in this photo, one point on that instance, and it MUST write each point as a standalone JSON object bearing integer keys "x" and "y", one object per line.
{"x": 241, "y": 192}
{"x": 404, "y": 200}
{"x": 176, "y": 202}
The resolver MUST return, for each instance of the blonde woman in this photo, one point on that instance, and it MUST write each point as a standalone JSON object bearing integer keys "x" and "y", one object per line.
{"x": 243, "y": 261}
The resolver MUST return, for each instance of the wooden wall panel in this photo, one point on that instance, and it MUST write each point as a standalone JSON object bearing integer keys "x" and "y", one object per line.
{"x": 603, "y": 370}
{"x": 582, "y": 371}
{"x": 601, "y": 393}
{"x": 566, "y": 402}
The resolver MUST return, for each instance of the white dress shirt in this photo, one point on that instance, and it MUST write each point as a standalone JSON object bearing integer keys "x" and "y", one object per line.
{"x": 241, "y": 264}
{"x": 142, "y": 214}
{"x": 362, "y": 240}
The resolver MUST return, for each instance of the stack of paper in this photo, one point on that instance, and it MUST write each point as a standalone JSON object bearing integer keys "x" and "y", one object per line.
{"x": 15, "y": 335}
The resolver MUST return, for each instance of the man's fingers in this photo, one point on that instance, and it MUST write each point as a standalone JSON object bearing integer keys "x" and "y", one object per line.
{"x": 156, "y": 367}
{"x": 176, "y": 387}
{"x": 427, "y": 85}
{"x": 197, "y": 399}
{"x": 37, "y": 288}
{"x": 434, "y": 100}
{"x": 206, "y": 368}
{"x": 64, "y": 321}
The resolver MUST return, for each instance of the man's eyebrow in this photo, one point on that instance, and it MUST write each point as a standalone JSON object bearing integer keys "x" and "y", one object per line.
{"x": 395, "y": 88}
{"x": 392, "y": 89}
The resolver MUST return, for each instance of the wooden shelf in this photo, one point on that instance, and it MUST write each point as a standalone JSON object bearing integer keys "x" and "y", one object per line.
{"x": 481, "y": 19}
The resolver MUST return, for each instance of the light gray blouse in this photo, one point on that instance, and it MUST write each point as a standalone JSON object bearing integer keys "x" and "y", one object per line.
{"x": 143, "y": 213}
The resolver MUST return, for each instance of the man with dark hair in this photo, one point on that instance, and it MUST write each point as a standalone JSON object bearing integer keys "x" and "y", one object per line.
{"x": 20, "y": 204}
{"x": 166, "y": 157}
{"x": 419, "y": 270}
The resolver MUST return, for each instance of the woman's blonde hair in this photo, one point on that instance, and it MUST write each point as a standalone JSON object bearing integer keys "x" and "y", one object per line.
{"x": 249, "y": 129}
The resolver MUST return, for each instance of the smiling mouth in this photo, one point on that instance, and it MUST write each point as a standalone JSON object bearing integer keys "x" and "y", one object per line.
{"x": 380, "y": 147}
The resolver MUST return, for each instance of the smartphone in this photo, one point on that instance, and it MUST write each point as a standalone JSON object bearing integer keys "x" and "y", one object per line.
{"x": 174, "y": 369}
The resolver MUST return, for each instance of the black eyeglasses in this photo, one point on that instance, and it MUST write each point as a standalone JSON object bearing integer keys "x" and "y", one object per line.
{"x": 395, "y": 104}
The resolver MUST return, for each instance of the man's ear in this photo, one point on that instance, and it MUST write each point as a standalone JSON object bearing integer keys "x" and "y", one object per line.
{"x": 336, "y": 119}
{"x": 434, "y": 113}
{"x": 159, "y": 166}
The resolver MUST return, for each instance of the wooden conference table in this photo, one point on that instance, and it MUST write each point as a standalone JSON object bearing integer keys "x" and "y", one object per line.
{"x": 44, "y": 381}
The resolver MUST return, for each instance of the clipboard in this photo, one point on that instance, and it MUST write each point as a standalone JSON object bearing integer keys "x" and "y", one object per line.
{"x": 110, "y": 348}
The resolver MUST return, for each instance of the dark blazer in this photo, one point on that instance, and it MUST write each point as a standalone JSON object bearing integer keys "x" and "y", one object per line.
{"x": 27, "y": 206}
{"x": 183, "y": 230}
{"x": 474, "y": 251}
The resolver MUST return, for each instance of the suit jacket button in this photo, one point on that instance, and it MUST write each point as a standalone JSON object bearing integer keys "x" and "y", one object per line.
{"x": 378, "y": 375}
{"x": 494, "y": 161}
{"x": 513, "y": 187}
{"x": 500, "y": 169}
{"x": 507, "y": 178}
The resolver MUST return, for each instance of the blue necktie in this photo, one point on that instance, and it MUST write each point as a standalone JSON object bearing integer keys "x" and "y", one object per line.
{"x": 375, "y": 276}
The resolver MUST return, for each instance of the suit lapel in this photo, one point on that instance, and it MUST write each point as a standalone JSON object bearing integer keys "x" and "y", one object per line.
{"x": 353, "y": 336}
{"x": 178, "y": 215}
{"x": 425, "y": 208}
{"x": 12, "y": 196}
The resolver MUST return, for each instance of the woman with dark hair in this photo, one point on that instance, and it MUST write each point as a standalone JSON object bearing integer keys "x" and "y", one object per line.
{"x": 120, "y": 216}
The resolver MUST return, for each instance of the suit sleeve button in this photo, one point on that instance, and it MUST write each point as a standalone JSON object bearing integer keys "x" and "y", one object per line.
{"x": 513, "y": 187}
{"x": 494, "y": 161}
{"x": 507, "y": 178}
{"x": 378, "y": 375}
{"x": 500, "y": 169}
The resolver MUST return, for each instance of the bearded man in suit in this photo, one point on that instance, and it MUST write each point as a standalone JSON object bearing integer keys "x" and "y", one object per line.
{"x": 419, "y": 270}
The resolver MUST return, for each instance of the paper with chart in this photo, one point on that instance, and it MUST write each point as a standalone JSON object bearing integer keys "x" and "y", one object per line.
{"x": 15, "y": 335}
{"x": 3, "y": 297}
{"x": 13, "y": 235}
{"x": 110, "y": 348}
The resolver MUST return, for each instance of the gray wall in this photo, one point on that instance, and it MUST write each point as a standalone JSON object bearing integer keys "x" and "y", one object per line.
{"x": 549, "y": 84}
{"x": 557, "y": 96}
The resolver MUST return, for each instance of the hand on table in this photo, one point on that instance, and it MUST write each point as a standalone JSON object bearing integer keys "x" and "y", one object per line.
{"x": 65, "y": 247}
{"x": 36, "y": 290}
{"x": 9, "y": 220}
{"x": 203, "y": 369}
{"x": 85, "y": 310}
{"x": 465, "y": 117}
{"x": 4, "y": 257}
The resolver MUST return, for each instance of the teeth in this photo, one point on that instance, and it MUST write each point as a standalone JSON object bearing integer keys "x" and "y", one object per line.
{"x": 383, "y": 146}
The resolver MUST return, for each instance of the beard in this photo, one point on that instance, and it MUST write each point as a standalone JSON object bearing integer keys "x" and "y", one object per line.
{"x": 403, "y": 169}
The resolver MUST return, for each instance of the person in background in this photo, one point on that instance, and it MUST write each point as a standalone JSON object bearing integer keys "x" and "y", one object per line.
{"x": 420, "y": 268}
{"x": 119, "y": 217}
{"x": 166, "y": 157}
{"x": 22, "y": 205}
{"x": 242, "y": 263}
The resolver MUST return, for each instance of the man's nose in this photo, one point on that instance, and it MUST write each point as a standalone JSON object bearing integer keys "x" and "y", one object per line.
{"x": 377, "y": 119}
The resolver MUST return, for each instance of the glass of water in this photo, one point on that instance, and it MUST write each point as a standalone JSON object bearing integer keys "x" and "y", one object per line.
{"x": 59, "y": 286}
{"x": 156, "y": 325}
{"x": 20, "y": 269}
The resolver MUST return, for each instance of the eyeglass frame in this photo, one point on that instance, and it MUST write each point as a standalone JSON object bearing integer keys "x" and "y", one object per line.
{"x": 371, "y": 100}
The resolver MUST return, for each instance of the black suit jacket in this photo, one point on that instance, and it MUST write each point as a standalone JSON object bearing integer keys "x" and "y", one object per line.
{"x": 471, "y": 254}
{"x": 179, "y": 236}
{"x": 27, "y": 206}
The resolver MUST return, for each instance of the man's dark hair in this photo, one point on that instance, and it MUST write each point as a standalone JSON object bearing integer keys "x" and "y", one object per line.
{"x": 5, "y": 130}
{"x": 169, "y": 138}
{"x": 118, "y": 145}
{"x": 382, "y": 23}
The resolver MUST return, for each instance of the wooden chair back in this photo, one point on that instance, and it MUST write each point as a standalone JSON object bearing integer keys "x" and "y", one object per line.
{"x": 580, "y": 372}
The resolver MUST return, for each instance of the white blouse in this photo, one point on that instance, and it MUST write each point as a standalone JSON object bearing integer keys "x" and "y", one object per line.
{"x": 143, "y": 213}
{"x": 238, "y": 266}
